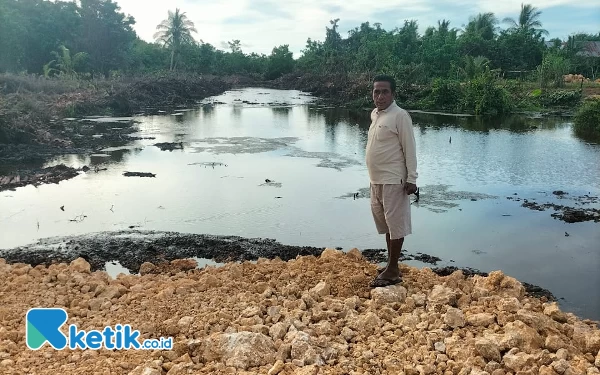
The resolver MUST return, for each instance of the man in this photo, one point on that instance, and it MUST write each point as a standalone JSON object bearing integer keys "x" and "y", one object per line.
{"x": 392, "y": 163}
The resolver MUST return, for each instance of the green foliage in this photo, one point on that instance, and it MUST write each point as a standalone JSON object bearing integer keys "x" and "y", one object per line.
{"x": 175, "y": 32}
{"x": 528, "y": 20}
{"x": 66, "y": 65}
{"x": 562, "y": 98}
{"x": 473, "y": 66}
{"x": 483, "y": 96}
{"x": 280, "y": 62}
{"x": 553, "y": 68}
{"x": 444, "y": 68}
{"x": 583, "y": 55}
{"x": 587, "y": 120}
{"x": 31, "y": 30}
{"x": 445, "y": 94}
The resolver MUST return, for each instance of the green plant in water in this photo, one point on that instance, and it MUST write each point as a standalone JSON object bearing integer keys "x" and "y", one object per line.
{"x": 587, "y": 120}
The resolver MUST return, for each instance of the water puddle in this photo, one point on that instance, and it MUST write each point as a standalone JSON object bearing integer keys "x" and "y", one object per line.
{"x": 114, "y": 268}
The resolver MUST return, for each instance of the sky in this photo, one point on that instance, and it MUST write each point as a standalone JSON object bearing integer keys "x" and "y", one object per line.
{"x": 261, "y": 25}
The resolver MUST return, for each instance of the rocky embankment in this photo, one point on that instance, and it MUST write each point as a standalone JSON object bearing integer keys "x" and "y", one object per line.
{"x": 309, "y": 315}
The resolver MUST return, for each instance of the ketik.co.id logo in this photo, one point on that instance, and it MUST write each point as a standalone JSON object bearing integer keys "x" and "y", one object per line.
{"x": 43, "y": 325}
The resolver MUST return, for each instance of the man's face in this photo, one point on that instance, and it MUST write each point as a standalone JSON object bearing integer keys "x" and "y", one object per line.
{"x": 382, "y": 95}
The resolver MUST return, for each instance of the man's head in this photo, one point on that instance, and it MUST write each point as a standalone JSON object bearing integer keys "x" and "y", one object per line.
{"x": 384, "y": 91}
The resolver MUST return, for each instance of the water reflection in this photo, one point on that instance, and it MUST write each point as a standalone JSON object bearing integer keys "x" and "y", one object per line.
{"x": 515, "y": 123}
{"x": 110, "y": 157}
{"x": 207, "y": 111}
{"x": 281, "y": 112}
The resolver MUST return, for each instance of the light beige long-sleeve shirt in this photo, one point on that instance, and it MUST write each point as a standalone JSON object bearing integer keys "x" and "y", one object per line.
{"x": 391, "y": 148}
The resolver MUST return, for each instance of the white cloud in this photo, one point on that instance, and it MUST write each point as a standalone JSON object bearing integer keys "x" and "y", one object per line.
{"x": 263, "y": 24}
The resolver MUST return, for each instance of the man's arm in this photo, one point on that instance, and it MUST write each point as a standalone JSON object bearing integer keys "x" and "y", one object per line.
{"x": 407, "y": 141}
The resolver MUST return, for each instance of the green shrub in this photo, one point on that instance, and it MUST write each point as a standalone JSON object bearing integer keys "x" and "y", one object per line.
{"x": 561, "y": 98}
{"x": 445, "y": 95}
{"x": 587, "y": 119}
{"x": 484, "y": 96}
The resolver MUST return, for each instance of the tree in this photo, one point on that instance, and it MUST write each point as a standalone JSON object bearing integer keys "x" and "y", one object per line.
{"x": 105, "y": 34}
{"x": 235, "y": 46}
{"x": 483, "y": 25}
{"x": 280, "y": 62}
{"x": 31, "y": 29}
{"x": 174, "y": 32}
{"x": 528, "y": 20}
{"x": 439, "y": 49}
{"x": 479, "y": 36}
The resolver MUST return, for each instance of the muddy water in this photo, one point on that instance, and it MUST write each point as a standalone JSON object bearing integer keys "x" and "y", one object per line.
{"x": 268, "y": 163}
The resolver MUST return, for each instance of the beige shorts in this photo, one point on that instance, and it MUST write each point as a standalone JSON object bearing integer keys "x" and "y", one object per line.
{"x": 390, "y": 206}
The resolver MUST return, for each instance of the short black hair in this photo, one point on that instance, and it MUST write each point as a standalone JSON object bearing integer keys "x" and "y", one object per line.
{"x": 386, "y": 78}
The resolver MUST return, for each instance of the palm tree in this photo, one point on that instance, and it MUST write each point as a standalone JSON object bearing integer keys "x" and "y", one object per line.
{"x": 528, "y": 20}
{"x": 474, "y": 66}
{"x": 483, "y": 24}
{"x": 174, "y": 32}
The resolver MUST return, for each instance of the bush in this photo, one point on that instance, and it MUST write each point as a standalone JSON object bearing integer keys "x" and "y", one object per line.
{"x": 444, "y": 95}
{"x": 560, "y": 98}
{"x": 587, "y": 120}
{"x": 484, "y": 96}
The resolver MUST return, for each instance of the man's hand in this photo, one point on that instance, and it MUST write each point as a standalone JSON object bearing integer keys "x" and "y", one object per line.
{"x": 410, "y": 188}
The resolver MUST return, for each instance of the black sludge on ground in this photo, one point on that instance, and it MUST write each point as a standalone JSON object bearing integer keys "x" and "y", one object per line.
{"x": 132, "y": 248}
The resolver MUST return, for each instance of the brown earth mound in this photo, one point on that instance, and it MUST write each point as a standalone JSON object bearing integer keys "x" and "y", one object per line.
{"x": 310, "y": 315}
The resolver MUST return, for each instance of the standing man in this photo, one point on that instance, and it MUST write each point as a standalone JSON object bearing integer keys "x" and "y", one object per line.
{"x": 392, "y": 163}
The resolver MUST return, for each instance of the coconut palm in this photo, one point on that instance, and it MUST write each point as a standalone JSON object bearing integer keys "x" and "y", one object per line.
{"x": 483, "y": 24}
{"x": 528, "y": 20}
{"x": 174, "y": 32}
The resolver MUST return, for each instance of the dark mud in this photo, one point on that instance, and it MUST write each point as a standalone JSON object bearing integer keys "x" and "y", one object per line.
{"x": 380, "y": 256}
{"x": 133, "y": 248}
{"x": 139, "y": 174}
{"x": 22, "y": 164}
{"x": 36, "y": 177}
{"x": 169, "y": 146}
{"x": 566, "y": 213}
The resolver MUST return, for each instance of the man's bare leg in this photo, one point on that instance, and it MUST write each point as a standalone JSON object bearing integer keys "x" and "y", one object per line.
{"x": 392, "y": 271}
{"x": 387, "y": 240}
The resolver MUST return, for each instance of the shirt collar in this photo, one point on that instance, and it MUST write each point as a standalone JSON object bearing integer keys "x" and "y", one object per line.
{"x": 388, "y": 108}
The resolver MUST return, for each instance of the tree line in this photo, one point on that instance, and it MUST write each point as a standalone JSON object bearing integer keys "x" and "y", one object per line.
{"x": 94, "y": 38}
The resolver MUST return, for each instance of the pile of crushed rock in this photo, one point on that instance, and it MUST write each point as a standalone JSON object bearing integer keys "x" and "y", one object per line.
{"x": 310, "y": 315}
